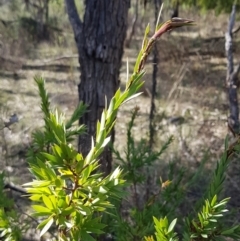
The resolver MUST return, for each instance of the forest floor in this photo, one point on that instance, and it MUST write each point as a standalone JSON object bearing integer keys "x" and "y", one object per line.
{"x": 190, "y": 88}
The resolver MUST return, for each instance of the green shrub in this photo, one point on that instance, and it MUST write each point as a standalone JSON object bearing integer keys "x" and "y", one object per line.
{"x": 11, "y": 228}
{"x": 68, "y": 190}
{"x": 70, "y": 195}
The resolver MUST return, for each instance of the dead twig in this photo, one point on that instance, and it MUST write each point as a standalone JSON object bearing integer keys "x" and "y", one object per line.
{"x": 13, "y": 119}
{"x": 15, "y": 188}
{"x": 61, "y": 57}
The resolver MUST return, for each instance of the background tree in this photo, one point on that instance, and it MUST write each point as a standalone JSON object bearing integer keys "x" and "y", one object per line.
{"x": 39, "y": 10}
{"x": 218, "y": 5}
{"x": 99, "y": 37}
{"x": 232, "y": 76}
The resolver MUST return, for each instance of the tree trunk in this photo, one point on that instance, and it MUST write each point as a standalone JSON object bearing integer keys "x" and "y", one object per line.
{"x": 99, "y": 38}
{"x": 157, "y": 5}
{"x": 134, "y": 23}
{"x": 232, "y": 77}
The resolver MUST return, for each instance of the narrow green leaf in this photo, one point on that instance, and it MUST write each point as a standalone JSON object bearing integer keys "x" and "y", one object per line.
{"x": 90, "y": 156}
{"x": 217, "y": 215}
{"x": 220, "y": 204}
{"x": 121, "y": 98}
{"x": 200, "y": 218}
{"x": 103, "y": 120}
{"x": 226, "y": 143}
{"x": 46, "y": 227}
{"x": 137, "y": 63}
{"x": 86, "y": 236}
{"x": 115, "y": 173}
{"x": 111, "y": 107}
{"x": 38, "y": 183}
{"x": 79, "y": 166}
{"x": 117, "y": 94}
{"x": 68, "y": 210}
{"x": 98, "y": 127}
{"x": 84, "y": 210}
{"x": 103, "y": 190}
{"x": 105, "y": 142}
{"x": 145, "y": 38}
{"x": 213, "y": 220}
{"x": 4, "y": 232}
{"x": 50, "y": 157}
{"x": 47, "y": 202}
{"x": 204, "y": 235}
{"x": 61, "y": 203}
{"x": 195, "y": 224}
{"x": 224, "y": 210}
{"x": 41, "y": 209}
{"x": 100, "y": 138}
{"x": 132, "y": 97}
{"x": 214, "y": 200}
{"x": 58, "y": 182}
{"x": 172, "y": 225}
{"x": 36, "y": 197}
{"x": 230, "y": 230}
{"x": 39, "y": 190}
{"x": 57, "y": 150}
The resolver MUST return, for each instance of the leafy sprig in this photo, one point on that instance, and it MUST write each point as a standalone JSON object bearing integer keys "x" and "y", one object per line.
{"x": 69, "y": 192}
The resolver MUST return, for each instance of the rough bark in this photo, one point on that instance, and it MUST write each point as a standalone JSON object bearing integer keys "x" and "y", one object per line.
{"x": 157, "y": 5}
{"x": 99, "y": 38}
{"x": 233, "y": 120}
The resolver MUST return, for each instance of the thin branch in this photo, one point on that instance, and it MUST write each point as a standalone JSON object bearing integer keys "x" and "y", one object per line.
{"x": 74, "y": 18}
{"x": 34, "y": 219}
{"x": 60, "y": 58}
{"x": 13, "y": 119}
{"x": 154, "y": 76}
{"x": 13, "y": 187}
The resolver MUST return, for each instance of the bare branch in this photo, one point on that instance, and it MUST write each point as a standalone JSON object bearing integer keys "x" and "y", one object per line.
{"x": 236, "y": 30}
{"x": 74, "y": 17}
{"x": 13, "y": 119}
{"x": 60, "y": 58}
{"x": 13, "y": 187}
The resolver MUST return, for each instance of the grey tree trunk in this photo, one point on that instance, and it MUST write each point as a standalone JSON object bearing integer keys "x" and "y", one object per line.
{"x": 134, "y": 23}
{"x": 100, "y": 39}
{"x": 232, "y": 77}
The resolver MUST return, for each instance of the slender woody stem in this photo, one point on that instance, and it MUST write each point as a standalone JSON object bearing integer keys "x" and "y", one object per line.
{"x": 167, "y": 26}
